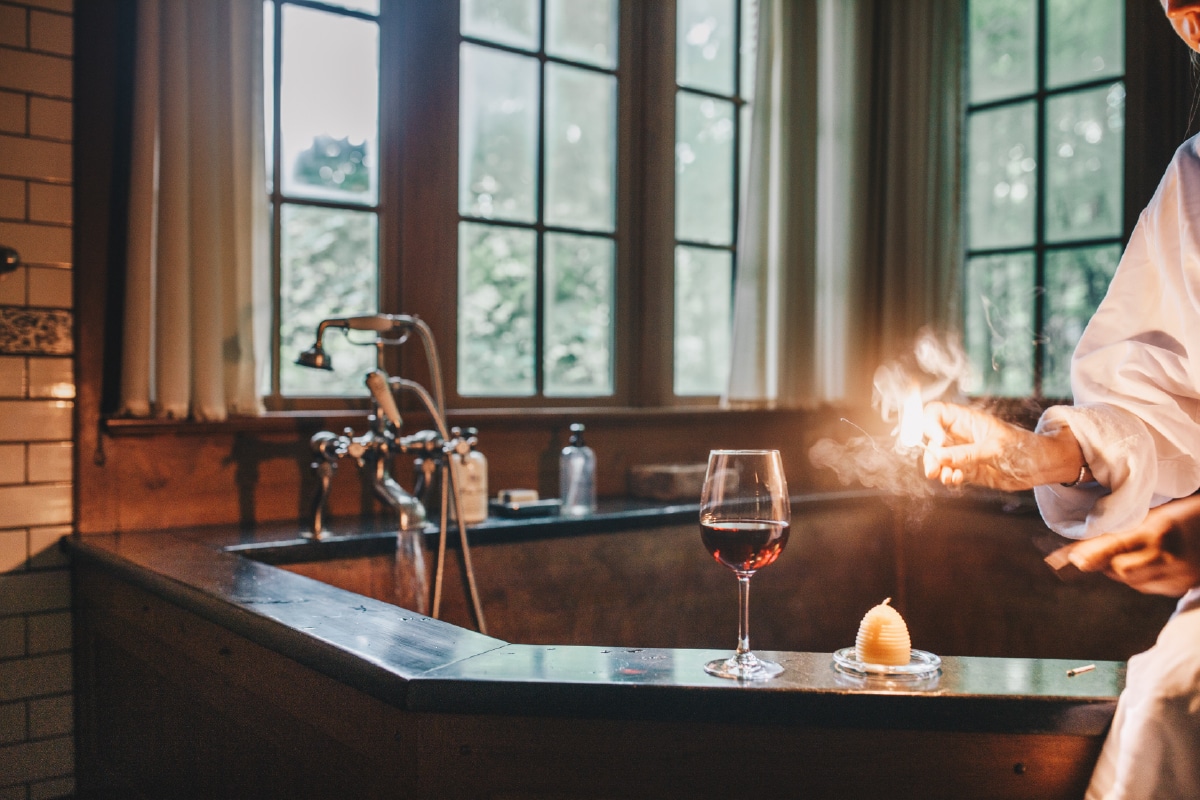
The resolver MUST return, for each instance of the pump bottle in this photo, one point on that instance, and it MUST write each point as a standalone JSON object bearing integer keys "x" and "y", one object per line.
{"x": 470, "y": 475}
{"x": 577, "y": 476}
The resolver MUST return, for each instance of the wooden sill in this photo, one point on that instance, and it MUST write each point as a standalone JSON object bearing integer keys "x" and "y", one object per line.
{"x": 308, "y": 421}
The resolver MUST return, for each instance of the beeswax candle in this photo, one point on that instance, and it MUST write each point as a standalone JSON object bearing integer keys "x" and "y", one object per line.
{"x": 883, "y": 637}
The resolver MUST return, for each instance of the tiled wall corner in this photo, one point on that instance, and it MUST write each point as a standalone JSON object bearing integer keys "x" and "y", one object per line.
{"x": 37, "y": 390}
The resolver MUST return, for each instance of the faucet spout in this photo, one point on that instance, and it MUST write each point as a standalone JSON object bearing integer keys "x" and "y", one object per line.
{"x": 409, "y": 510}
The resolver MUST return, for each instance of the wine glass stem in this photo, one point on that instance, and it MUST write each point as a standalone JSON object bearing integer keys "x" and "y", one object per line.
{"x": 743, "y": 645}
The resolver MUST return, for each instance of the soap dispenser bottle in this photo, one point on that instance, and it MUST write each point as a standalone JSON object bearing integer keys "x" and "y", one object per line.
{"x": 577, "y": 475}
{"x": 469, "y": 467}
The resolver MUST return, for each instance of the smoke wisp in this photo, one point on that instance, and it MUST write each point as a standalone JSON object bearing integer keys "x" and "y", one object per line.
{"x": 935, "y": 370}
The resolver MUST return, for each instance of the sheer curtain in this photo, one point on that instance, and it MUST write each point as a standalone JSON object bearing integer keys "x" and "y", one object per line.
{"x": 850, "y": 239}
{"x": 197, "y": 216}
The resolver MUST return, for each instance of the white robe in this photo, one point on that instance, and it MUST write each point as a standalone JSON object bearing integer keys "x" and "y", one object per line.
{"x": 1135, "y": 376}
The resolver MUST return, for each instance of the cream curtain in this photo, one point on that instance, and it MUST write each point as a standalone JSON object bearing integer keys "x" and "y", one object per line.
{"x": 850, "y": 239}
{"x": 197, "y": 216}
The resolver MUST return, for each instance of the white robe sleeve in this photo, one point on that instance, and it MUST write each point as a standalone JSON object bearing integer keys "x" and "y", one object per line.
{"x": 1135, "y": 374}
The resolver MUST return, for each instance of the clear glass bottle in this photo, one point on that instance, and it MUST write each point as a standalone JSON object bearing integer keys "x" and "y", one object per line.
{"x": 577, "y": 476}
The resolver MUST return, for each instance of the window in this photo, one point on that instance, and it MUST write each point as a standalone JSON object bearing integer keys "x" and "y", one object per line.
{"x": 715, "y": 75}
{"x": 531, "y": 127}
{"x": 537, "y": 198}
{"x": 322, "y": 105}
{"x": 1044, "y": 193}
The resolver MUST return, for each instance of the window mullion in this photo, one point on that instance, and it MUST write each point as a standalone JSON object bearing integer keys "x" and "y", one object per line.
{"x": 1039, "y": 215}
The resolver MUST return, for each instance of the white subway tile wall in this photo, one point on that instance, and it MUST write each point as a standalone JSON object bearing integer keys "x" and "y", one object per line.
{"x": 37, "y": 755}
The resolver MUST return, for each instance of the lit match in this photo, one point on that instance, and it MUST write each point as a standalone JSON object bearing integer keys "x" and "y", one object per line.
{"x": 912, "y": 420}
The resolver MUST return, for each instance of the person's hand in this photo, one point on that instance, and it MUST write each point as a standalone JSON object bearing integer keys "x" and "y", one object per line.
{"x": 1159, "y": 556}
{"x": 970, "y": 446}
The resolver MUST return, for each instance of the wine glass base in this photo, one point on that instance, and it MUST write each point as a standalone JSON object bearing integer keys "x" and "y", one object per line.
{"x": 744, "y": 667}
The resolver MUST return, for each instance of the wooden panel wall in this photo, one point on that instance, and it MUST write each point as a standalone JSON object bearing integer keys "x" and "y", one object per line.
{"x": 153, "y": 476}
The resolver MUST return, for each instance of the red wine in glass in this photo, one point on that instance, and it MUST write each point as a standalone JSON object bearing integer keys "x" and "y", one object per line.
{"x": 745, "y": 546}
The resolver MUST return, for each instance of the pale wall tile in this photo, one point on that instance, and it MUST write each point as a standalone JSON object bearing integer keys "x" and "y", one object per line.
{"x": 12, "y": 288}
{"x": 35, "y": 677}
{"x": 50, "y": 118}
{"x": 50, "y": 287}
{"x": 35, "y": 761}
{"x": 12, "y": 112}
{"x": 34, "y": 158}
{"x": 14, "y": 551}
{"x": 35, "y": 421}
{"x": 38, "y": 244}
{"x": 23, "y": 71}
{"x": 49, "y": 633}
{"x": 51, "y": 377}
{"x": 35, "y": 504}
{"x": 52, "y": 716}
{"x": 12, "y": 637}
{"x": 44, "y": 549}
{"x": 32, "y": 593}
{"x": 12, "y": 376}
{"x": 12, "y": 196}
{"x": 12, "y": 722}
{"x": 50, "y": 461}
{"x": 49, "y": 202}
{"x": 52, "y": 5}
{"x": 13, "y": 793}
{"x": 50, "y": 790}
{"x": 50, "y": 32}
{"x": 13, "y": 26}
{"x": 12, "y": 465}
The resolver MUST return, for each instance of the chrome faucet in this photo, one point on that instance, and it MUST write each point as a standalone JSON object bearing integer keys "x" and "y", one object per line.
{"x": 375, "y": 452}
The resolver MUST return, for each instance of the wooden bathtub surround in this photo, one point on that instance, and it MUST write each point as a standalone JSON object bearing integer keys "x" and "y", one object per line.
{"x": 204, "y": 673}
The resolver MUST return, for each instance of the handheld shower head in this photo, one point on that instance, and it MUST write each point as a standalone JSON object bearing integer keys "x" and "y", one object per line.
{"x": 315, "y": 358}
{"x": 9, "y": 259}
{"x": 383, "y": 325}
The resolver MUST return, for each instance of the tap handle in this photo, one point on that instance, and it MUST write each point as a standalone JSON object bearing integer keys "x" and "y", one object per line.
{"x": 381, "y": 390}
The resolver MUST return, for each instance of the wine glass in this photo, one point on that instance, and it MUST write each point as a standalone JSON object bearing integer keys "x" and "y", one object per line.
{"x": 744, "y": 519}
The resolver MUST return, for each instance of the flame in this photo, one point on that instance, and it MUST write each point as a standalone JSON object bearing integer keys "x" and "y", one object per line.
{"x": 911, "y": 419}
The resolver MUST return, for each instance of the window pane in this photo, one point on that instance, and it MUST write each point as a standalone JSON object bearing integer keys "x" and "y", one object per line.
{"x": 703, "y": 320}
{"x": 328, "y": 268}
{"x": 1085, "y": 40}
{"x": 581, "y": 158}
{"x": 704, "y": 42}
{"x": 579, "y": 315}
{"x": 584, "y": 32}
{"x": 999, "y": 324}
{"x": 1001, "y": 181}
{"x": 495, "y": 310}
{"x": 1085, "y": 145}
{"x": 498, "y": 122}
{"x": 1076, "y": 281}
{"x": 329, "y": 106}
{"x": 511, "y": 22}
{"x": 703, "y": 169}
{"x": 1003, "y": 39}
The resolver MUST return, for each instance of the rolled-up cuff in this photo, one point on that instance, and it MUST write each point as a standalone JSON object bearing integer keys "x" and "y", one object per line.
{"x": 1119, "y": 451}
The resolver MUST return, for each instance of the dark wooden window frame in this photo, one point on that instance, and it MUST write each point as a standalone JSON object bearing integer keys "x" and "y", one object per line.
{"x": 419, "y": 181}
